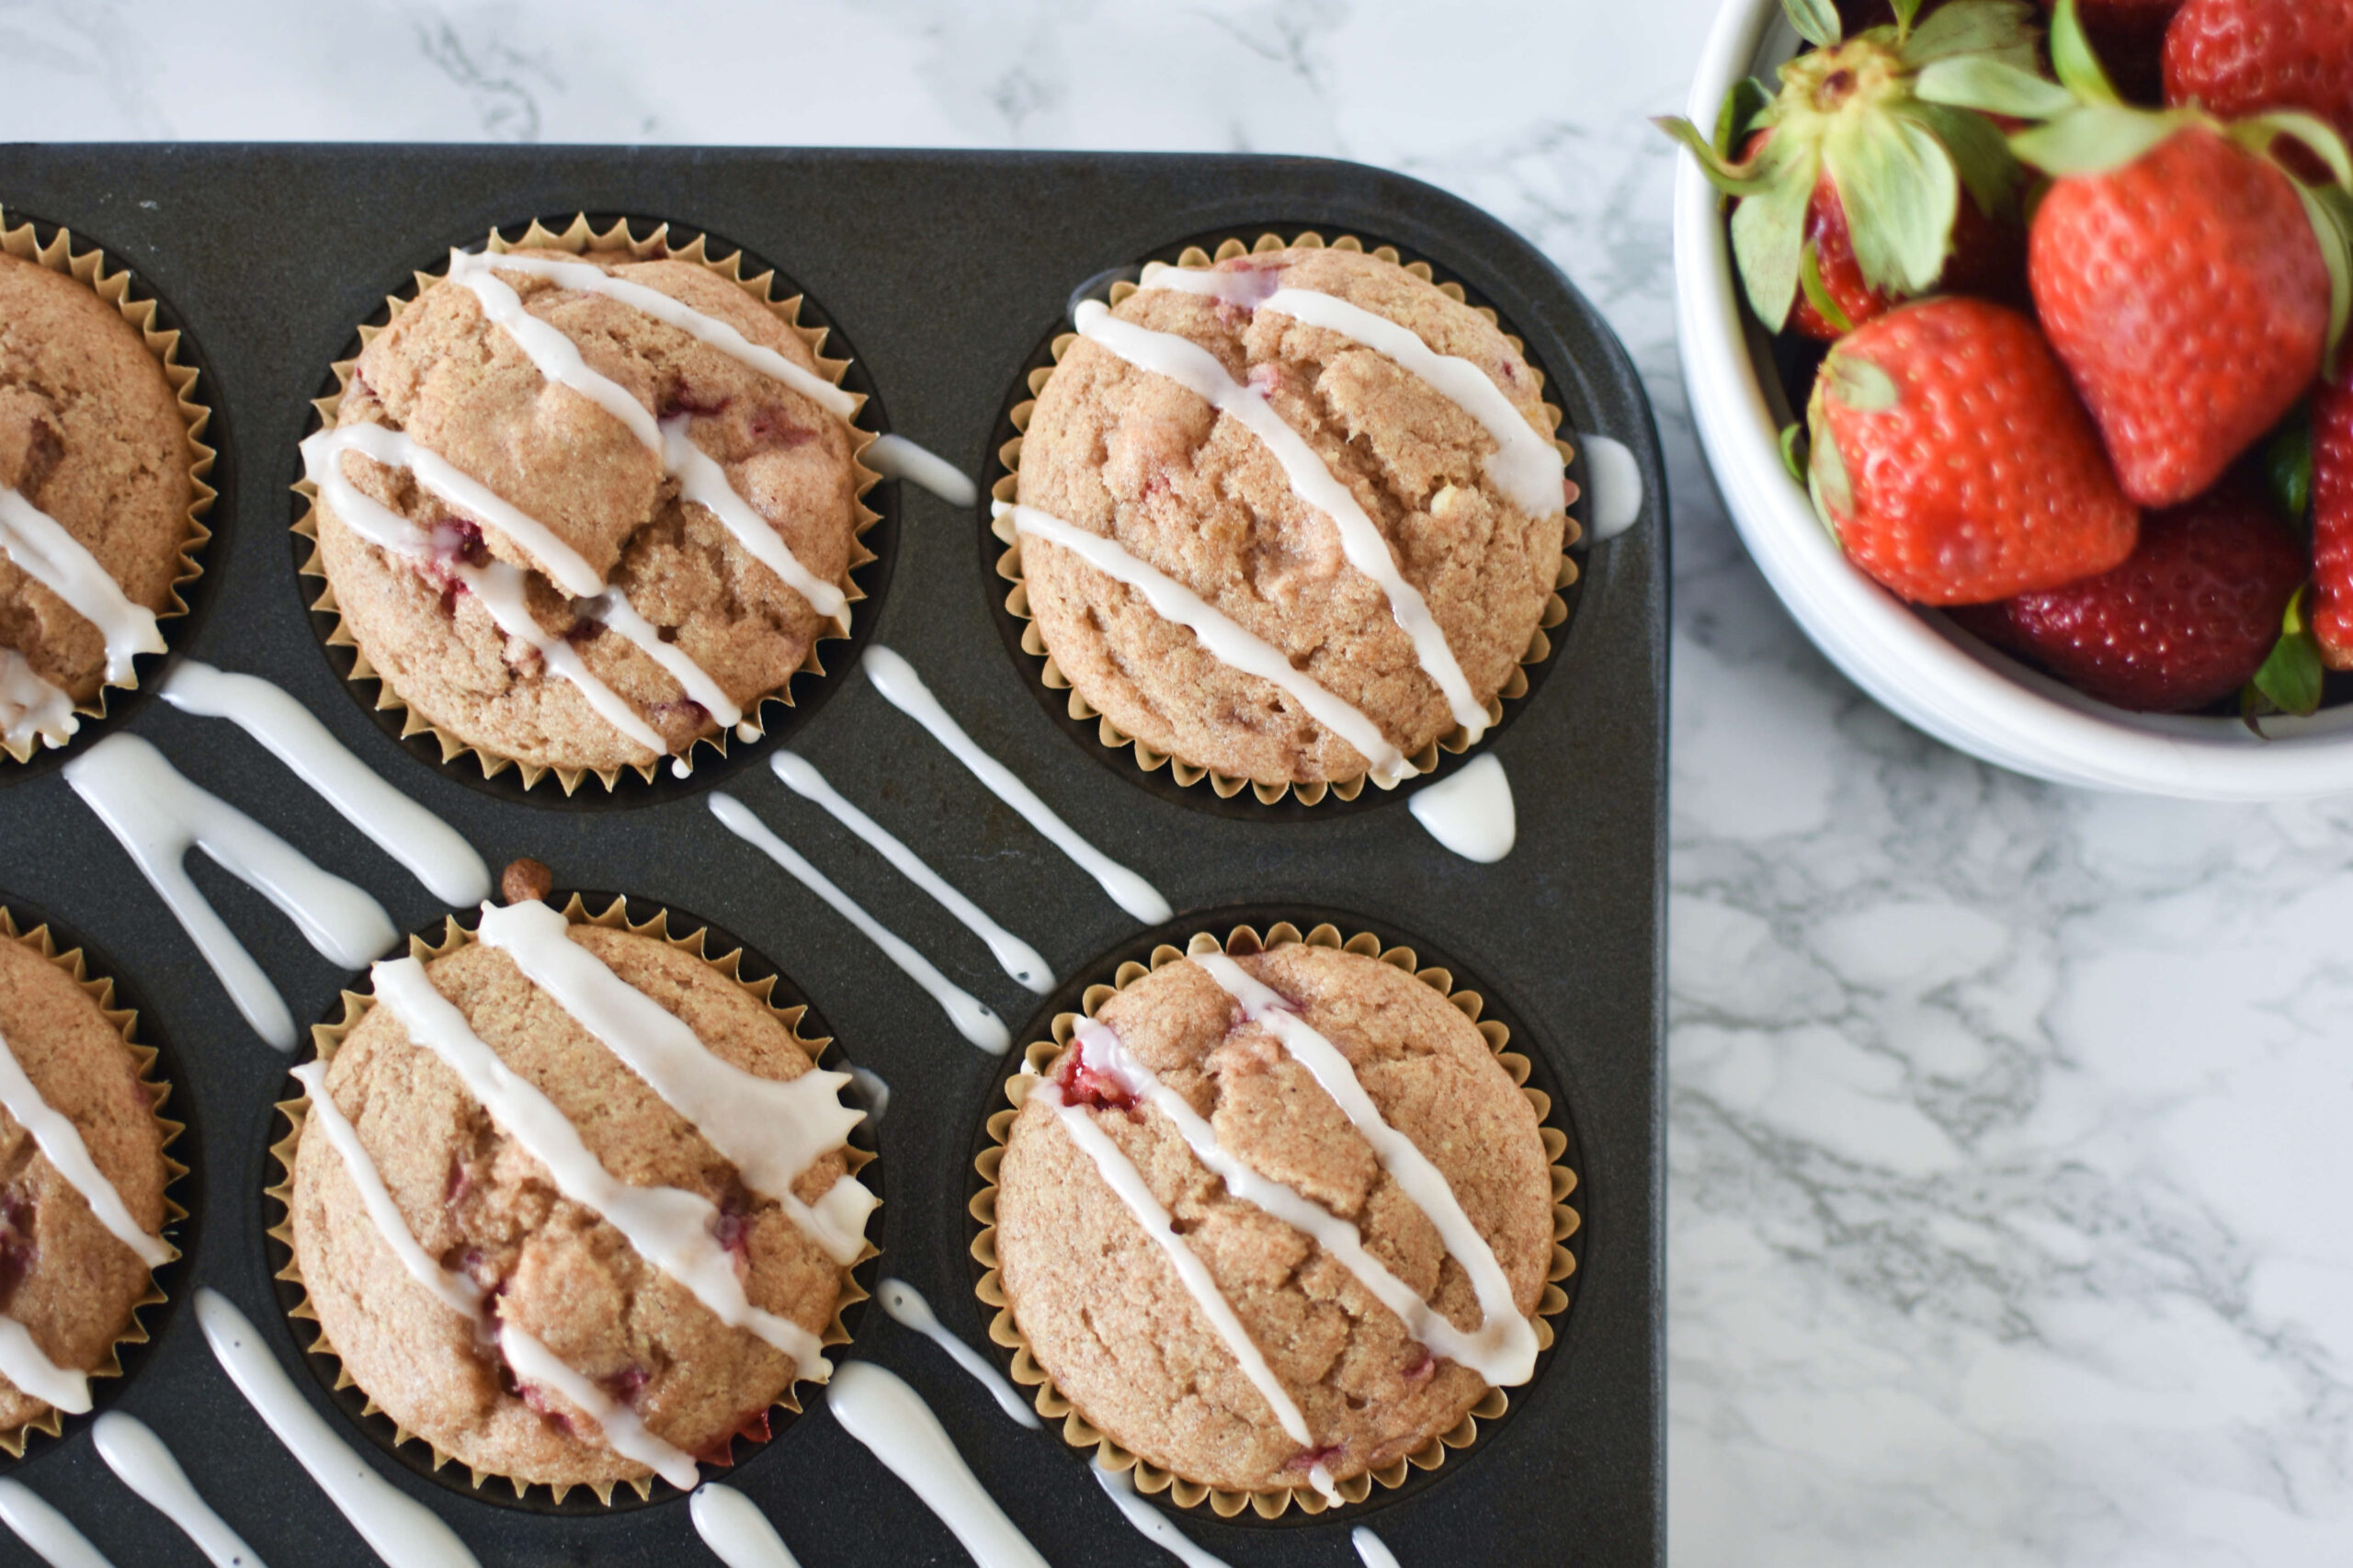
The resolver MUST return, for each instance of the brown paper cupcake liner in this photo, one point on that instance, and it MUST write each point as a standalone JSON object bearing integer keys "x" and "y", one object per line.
{"x": 99, "y": 989}
{"x": 88, "y": 266}
{"x": 327, "y": 1039}
{"x": 582, "y": 238}
{"x": 1051, "y": 1404}
{"x": 1227, "y": 786}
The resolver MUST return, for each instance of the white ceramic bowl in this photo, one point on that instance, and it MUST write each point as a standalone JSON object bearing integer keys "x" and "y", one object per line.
{"x": 1920, "y": 666}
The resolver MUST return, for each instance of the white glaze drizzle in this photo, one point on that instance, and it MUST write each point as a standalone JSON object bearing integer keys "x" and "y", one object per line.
{"x": 877, "y": 1407}
{"x": 895, "y": 456}
{"x": 973, "y": 1017}
{"x": 1198, "y": 370}
{"x": 900, "y": 684}
{"x": 1119, "y": 1485}
{"x": 552, "y": 353}
{"x": 158, "y": 817}
{"x": 50, "y": 1534}
{"x": 612, "y": 608}
{"x": 1472, "y": 813}
{"x": 669, "y": 1227}
{"x": 1120, "y": 1174}
{"x": 584, "y": 277}
{"x": 1228, "y": 639}
{"x": 24, "y": 1363}
{"x": 398, "y": 1529}
{"x": 501, "y": 587}
{"x": 738, "y": 1534}
{"x": 1105, "y": 1051}
{"x": 1372, "y": 1549}
{"x": 909, "y": 1310}
{"x": 703, "y": 481}
{"x": 874, "y": 1092}
{"x": 61, "y": 1140}
{"x": 1016, "y": 957}
{"x": 44, "y": 551}
{"x": 434, "y": 852}
{"x": 1525, "y": 465}
{"x": 141, "y": 1461}
{"x": 624, "y": 1432}
{"x": 31, "y": 707}
{"x": 771, "y": 1129}
{"x": 1506, "y": 1340}
{"x": 1617, "y": 476}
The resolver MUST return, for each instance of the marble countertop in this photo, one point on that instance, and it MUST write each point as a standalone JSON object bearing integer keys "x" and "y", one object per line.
{"x": 2007, "y": 1123}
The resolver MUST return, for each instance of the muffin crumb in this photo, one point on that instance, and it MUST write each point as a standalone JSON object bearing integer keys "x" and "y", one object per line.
{"x": 525, "y": 881}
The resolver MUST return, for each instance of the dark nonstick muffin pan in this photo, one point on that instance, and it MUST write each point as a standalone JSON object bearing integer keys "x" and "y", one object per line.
{"x": 941, "y": 275}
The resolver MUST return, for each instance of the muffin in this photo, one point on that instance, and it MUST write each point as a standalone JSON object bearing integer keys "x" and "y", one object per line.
{"x": 96, "y": 493}
{"x": 584, "y": 511}
{"x": 604, "y": 1295}
{"x": 1212, "y": 1258}
{"x": 1348, "y": 478}
{"x": 83, "y": 1208}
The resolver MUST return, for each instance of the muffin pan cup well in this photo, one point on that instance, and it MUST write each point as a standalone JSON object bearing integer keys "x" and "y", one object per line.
{"x": 1172, "y": 776}
{"x": 1080, "y": 998}
{"x": 942, "y": 272}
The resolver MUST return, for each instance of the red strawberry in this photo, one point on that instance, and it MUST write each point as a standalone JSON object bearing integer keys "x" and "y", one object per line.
{"x": 2130, "y": 36}
{"x": 1856, "y": 190}
{"x": 2332, "y": 608}
{"x": 1952, "y": 458}
{"x": 2185, "y": 623}
{"x": 2187, "y": 291}
{"x": 2242, "y": 57}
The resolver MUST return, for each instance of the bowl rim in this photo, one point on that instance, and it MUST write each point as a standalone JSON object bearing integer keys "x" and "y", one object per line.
{"x": 1919, "y": 664}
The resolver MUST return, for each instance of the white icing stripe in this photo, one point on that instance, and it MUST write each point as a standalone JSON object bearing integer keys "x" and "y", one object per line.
{"x": 878, "y": 1408}
{"x": 1225, "y": 638}
{"x": 139, "y": 1461}
{"x": 895, "y": 456}
{"x": 870, "y": 1088}
{"x": 554, "y": 353}
{"x": 909, "y": 1310}
{"x": 561, "y": 564}
{"x": 24, "y": 1363}
{"x": 1103, "y": 1050}
{"x": 613, "y": 609}
{"x": 455, "y": 1292}
{"x": 501, "y": 589}
{"x": 1472, "y": 813}
{"x": 771, "y": 1129}
{"x": 1198, "y": 370}
{"x": 398, "y": 1529}
{"x": 973, "y": 1017}
{"x": 1616, "y": 478}
{"x": 584, "y": 277}
{"x": 1525, "y": 464}
{"x": 1507, "y": 1340}
{"x": 1372, "y": 1549}
{"x": 61, "y": 1140}
{"x": 738, "y": 1534}
{"x": 50, "y": 1534}
{"x": 1154, "y": 1526}
{"x": 158, "y": 817}
{"x": 1016, "y": 957}
{"x": 904, "y": 689}
{"x": 1120, "y": 1174}
{"x": 44, "y": 551}
{"x": 702, "y": 481}
{"x": 31, "y": 707}
{"x": 669, "y": 1227}
{"x": 434, "y": 852}
{"x": 625, "y": 1434}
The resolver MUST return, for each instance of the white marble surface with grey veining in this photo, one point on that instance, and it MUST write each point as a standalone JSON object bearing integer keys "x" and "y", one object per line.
{"x": 2012, "y": 1128}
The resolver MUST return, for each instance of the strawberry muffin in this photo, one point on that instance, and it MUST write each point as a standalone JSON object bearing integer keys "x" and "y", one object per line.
{"x": 1275, "y": 1223}
{"x": 1292, "y": 519}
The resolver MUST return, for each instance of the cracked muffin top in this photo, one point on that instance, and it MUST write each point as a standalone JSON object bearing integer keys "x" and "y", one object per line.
{"x": 1103, "y": 1302}
{"x": 484, "y": 1209}
{"x": 70, "y": 1281}
{"x": 531, "y": 576}
{"x": 1136, "y": 441}
{"x": 91, "y": 434}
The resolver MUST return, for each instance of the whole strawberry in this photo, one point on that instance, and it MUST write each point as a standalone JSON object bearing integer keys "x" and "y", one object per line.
{"x": 2332, "y": 604}
{"x": 1953, "y": 461}
{"x": 1853, "y": 186}
{"x": 2240, "y": 57}
{"x": 2185, "y": 621}
{"x": 2187, "y": 291}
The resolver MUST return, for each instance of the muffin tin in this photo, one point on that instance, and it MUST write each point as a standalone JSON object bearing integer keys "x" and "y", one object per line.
{"x": 941, "y": 274}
